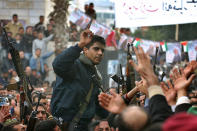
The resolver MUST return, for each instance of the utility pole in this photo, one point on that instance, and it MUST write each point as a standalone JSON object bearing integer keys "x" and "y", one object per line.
{"x": 177, "y": 32}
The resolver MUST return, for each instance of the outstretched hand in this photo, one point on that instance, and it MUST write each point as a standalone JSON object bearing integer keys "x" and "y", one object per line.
{"x": 170, "y": 93}
{"x": 144, "y": 67}
{"x": 4, "y": 113}
{"x": 180, "y": 79}
{"x": 112, "y": 103}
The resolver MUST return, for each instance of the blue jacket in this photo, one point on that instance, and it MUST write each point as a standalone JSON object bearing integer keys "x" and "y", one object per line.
{"x": 72, "y": 85}
{"x": 33, "y": 61}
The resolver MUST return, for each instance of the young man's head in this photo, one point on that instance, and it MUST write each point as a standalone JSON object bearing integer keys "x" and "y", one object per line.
{"x": 133, "y": 118}
{"x": 41, "y": 19}
{"x": 104, "y": 125}
{"x": 49, "y": 27}
{"x": 41, "y": 113}
{"x": 86, "y": 6}
{"x": 48, "y": 125}
{"x": 18, "y": 37}
{"x": 38, "y": 52}
{"x": 51, "y": 21}
{"x": 91, "y": 6}
{"x": 21, "y": 31}
{"x": 28, "y": 70}
{"x": 95, "y": 49}
{"x": 29, "y": 30}
{"x": 15, "y": 18}
{"x": 21, "y": 54}
{"x": 40, "y": 35}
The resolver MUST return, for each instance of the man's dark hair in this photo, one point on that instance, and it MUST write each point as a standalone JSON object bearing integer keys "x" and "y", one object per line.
{"x": 47, "y": 125}
{"x": 14, "y": 15}
{"x": 96, "y": 38}
{"x": 91, "y": 4}
{"x": 41, "y": 16}
{"x": 93, "y": 124}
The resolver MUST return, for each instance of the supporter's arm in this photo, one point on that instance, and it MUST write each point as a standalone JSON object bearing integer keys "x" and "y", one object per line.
{"x": 181, "y": 83}
{"x": 47, "y": 39}
{"x": 33, "y": 47}
{"x": 4, "y": 113}
{"x": 112, "y": 103}
{"x": 47, "y": 55}
{"x": 158, "y": 106}
{"x": 170, "y": 93}
{"x": 63, "y": 64}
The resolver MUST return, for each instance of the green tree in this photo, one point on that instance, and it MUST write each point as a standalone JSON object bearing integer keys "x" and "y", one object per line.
{"x": 167, "y": 33}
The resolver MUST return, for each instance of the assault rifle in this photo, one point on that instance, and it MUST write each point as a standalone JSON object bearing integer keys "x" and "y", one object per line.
{"x": 22, "y": 86}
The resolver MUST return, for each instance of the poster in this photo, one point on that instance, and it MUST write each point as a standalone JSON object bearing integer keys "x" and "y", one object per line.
{"x": 192, "y": 50}
{"x": 173, "y": 54}
{"x": 79, "y": 18}
{"x": 99, "y": 29}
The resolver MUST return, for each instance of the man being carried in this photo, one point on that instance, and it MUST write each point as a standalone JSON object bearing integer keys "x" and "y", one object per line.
{"x": 77, "y": 85}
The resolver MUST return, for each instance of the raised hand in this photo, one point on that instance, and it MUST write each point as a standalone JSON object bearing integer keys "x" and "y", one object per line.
{"x": 112, "y": 103}
{"x": 85, "y": 38}
{"x": 144, "y": 67}
{"x": 170, "y": 93}
{"x": 142, "y": 86}
{"x": 4, "y": 113}
{"x": 180, "y": 79}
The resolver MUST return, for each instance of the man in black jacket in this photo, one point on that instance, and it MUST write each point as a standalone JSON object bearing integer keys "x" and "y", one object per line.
{"x": 27, "y": 42}
{"x": 77, "y": 76}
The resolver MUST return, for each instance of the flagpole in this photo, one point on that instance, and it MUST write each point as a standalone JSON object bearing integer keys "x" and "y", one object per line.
{"x": 177, "y": 32}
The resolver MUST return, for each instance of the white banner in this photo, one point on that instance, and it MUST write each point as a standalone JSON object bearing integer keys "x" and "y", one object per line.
{"x": 135, "y": 13}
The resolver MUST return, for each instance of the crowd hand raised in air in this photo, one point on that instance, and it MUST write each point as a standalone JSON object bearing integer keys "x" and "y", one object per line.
{"x": 169, "y": 92}
{"x": 85, "y": 38}
{"x": 144, "y": 67}
{"x": 112, "y": 102}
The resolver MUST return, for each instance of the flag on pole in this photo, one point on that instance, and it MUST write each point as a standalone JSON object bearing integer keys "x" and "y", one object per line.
{"x": 164, "y": 46}
{"x": 185, "y": 46}
{"x": 137, "y": 42}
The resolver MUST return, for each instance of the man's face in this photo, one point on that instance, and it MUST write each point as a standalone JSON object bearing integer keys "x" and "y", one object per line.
{"x": 38, "y": 52}
{"x": 29, "y": 30}
{"x": 95, "y": 52}
{"x": 28, "y": 70}
{"x": 41, "y": 114}
{"x": 15, "y": 19}
{"x": 175, "y": 51}
{"x": 104, "y": 126}
{"x": 21, "y": 54}
{"x": 49, "y": 27}
{"x": 40, "y": 36}
{"x": 142, "y": 100}
{"x": 41, "y": 19}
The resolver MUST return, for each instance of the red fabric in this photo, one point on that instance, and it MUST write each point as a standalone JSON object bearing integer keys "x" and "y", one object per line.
{"x": 184, "y": 43}
{"x": 181, "y": 122}
{"x": 110, "y": 40}
{"x": 161, "y": 43}
{"x": 137, "y": 39}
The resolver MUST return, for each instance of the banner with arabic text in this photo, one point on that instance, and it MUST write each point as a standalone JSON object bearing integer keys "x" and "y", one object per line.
{"x": 136, "y": 13}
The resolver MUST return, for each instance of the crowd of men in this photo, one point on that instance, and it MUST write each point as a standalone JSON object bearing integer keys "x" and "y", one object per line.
{"x": 151, "y": 105}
